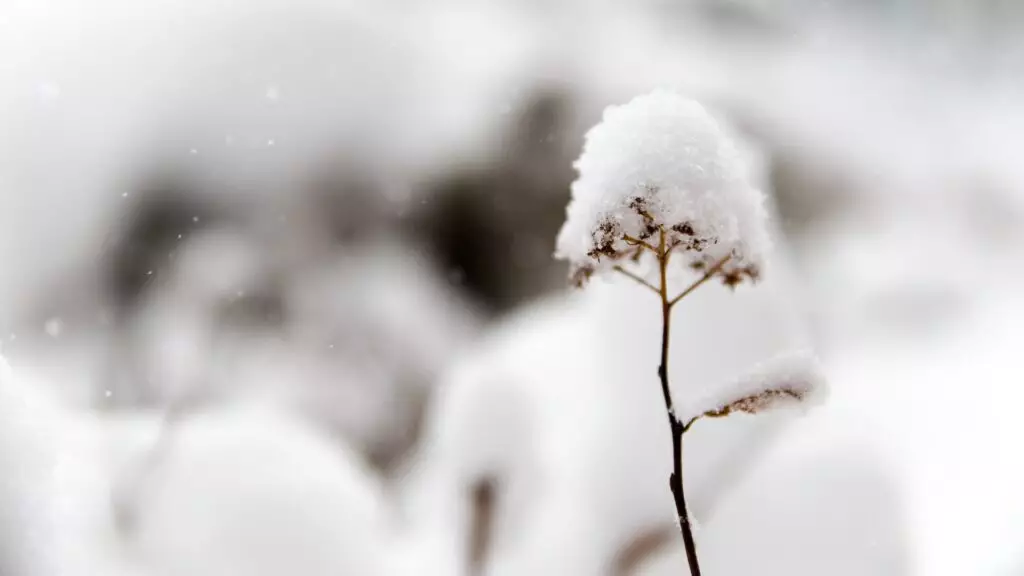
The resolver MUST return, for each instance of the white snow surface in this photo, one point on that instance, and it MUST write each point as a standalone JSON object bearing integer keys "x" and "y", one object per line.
{"x": 52, "y": 492}
{"x": 255, "y": 491}
{"x": 27, "y": 461}
{"x": 246, "y": 490}
{"x": 667, "y": 151}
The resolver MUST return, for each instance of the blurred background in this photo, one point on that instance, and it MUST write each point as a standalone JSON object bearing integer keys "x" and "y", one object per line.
{"x": 278, "y": 295}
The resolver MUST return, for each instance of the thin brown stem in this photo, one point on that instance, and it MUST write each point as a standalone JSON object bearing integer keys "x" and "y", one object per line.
{"x": 700, "y": 281}
{"x": 484, "y": 496}
{"x": 636, "y": 278}
{"x": 675, "y": 481}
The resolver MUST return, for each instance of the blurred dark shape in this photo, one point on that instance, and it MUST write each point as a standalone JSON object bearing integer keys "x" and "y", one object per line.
{"x": 259, "y": 308}
{"x": 806, "y": 190}
{"x": 744, "y": 19}
{"x": 645, "y": 544}
{"x": 494, "y": 229}
{"x": 483, "y": 504}
{"x": 351, "y": 205}
{"x": 165, "y": 212}
{"x": 390, "y": 450}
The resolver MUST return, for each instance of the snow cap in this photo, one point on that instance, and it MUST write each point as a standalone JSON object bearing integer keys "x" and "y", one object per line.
{"x": 661, "y": 164}
{"x": 794, "y": 378}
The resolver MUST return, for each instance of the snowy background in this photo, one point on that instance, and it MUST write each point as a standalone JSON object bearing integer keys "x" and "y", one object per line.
{"x": 277, "y": 292}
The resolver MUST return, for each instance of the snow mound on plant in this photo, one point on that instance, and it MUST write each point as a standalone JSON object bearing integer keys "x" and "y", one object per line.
{"x": 789, "y": 378}
{"x": 662, "y": 160}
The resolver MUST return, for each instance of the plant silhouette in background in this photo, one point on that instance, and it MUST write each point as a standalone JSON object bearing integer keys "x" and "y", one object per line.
{"x": 662, "y": 194}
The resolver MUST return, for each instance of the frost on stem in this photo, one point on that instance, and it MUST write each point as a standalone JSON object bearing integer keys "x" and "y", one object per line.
{"x": 661, "y": 164}
{"x": 788, "y": 379}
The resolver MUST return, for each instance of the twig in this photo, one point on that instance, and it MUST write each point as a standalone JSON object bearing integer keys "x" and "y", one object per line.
{"x": 637, "y": 242}
{"x": 636, "y": 278}
{"x": 707, "y": 276}
{"x": 692, "y": 421}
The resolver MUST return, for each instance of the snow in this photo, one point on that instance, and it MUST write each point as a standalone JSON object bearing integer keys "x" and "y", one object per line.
{"x": 789, "y": 378}
{"x": 912, "y": 467}
{"x": 560, "y": 404}
{"x": 822, "y": 500}
{"x": 52, "y": 493}
{"x": 253, "y": 490}
{"x": 662, "y": 161}
{"x": 29, "y": 442}
{"x": 250, "y": 489}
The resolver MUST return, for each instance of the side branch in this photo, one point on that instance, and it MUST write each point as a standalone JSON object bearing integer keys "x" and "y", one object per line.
{"x": 638, "y": 242}
{"x": 636, "y": 278}
{"x": 691, "y": 422}
{"x": 700, "y": 281}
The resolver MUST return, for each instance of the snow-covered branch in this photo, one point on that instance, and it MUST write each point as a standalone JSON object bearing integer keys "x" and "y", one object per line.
{"x": 789, "y": 379}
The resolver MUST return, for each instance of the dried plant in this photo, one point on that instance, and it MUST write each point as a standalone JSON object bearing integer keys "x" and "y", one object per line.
{"x": 659, "y": 180}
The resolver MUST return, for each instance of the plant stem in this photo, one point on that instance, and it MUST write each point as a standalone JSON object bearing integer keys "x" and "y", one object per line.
{"x": 675, "y": 481}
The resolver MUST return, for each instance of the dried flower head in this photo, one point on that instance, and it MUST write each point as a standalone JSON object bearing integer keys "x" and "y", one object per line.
{"x": 662, "y": 165}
